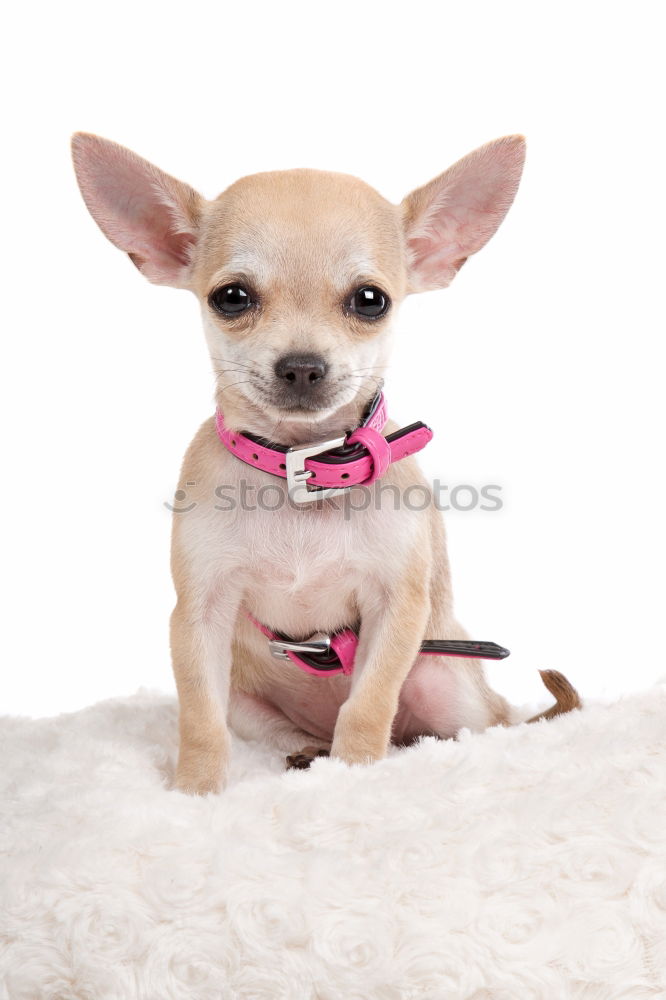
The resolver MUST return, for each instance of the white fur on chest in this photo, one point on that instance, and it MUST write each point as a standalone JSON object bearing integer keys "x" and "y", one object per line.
{"x": 299, "y": 567}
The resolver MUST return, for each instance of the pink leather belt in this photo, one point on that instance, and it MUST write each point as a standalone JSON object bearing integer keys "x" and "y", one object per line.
{"x": 354, "y": 459}
{"x": 325, "y": 655}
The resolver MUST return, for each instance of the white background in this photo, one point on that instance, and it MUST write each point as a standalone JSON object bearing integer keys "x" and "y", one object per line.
{"x": 540, "y": 369}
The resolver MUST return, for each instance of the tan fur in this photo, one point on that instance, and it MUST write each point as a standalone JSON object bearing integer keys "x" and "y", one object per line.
{"x": 302, "y": 241}
{"x": 566, "y": 697}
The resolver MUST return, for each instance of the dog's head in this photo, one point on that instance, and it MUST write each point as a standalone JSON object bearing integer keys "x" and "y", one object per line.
{"x": 298, "y": 272}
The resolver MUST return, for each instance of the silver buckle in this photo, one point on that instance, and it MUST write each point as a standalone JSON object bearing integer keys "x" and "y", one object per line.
{"x": 317, "y": 643}
{"x": 297, "y": 475}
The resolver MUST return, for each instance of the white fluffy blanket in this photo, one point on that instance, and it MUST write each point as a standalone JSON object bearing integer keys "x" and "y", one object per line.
{"x": 519, "y": 864}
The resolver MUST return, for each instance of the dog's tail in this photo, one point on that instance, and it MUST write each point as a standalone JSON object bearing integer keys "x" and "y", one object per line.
{"x": 565, "y": 694}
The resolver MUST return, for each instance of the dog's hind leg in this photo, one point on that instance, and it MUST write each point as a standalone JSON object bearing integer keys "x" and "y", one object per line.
{"x": 444, "y": 694}
{"x": 252, "y": 718}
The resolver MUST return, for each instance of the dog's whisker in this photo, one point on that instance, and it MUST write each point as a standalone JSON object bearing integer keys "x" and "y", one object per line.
{"x": 379, "y": 382}
{"x": 224, "y": 388}
{"x": 233, "y": 371}
{"x": 231, "y": 361}
{"x": 369, "y": 368}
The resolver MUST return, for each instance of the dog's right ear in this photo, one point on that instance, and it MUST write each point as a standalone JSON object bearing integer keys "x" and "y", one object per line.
{"x": 151, "y": 216}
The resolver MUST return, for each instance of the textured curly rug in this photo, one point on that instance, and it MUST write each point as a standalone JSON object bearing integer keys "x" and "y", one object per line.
{"x": 522, "y": 863}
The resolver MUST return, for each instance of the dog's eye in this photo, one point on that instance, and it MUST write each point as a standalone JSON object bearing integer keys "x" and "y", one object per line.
{"x": 230, "y": 300}
{"x": 369, "y": 302}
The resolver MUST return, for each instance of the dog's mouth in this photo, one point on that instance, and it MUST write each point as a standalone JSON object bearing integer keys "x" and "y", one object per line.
{"x": 314, "y": 402}
{"x": 345, "y": 397}
{"x": 303, "y": 405}
{"x": 335, "y": 405}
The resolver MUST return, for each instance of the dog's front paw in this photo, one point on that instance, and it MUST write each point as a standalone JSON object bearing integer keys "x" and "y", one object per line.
{"x": 200, "y": 774}
{"x": 358, "y": 754}
{"x": 359, "y": 739}
{"x": 201, "y": 785}
{"x": 359, "y": 749}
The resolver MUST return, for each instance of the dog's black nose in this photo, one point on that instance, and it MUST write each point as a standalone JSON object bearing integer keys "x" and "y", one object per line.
{"x": 301, "y": 371}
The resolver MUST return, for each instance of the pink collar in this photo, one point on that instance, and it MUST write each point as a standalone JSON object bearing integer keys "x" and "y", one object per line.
{"x": 355, "y": 459}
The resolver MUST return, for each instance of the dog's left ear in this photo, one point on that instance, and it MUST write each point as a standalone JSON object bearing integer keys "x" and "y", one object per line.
{"x": 453, "y": 216}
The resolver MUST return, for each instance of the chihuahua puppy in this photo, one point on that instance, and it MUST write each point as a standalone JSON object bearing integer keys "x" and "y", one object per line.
{"x": 299, "y": 274}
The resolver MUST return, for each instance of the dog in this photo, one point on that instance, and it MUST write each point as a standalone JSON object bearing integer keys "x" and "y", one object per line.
{"x": 299, "y": 274}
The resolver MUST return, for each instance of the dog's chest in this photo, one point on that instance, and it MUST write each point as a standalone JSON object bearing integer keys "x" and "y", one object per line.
{"x": 299, "y": 568}
{"x": 306, "y": 565}
{"x": 302, "y": 567}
